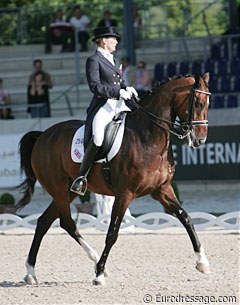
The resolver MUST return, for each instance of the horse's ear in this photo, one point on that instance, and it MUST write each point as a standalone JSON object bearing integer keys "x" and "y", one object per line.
{"x": 206, "y": 78}
{"x": 197, "y": 79}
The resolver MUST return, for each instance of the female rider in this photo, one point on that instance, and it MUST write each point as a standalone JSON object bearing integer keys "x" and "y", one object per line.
{"x": 105, "y": 82}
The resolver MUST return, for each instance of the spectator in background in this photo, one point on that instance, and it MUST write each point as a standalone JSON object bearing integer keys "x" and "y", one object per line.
{"x": 59, "y": 32}
{"x": 80, "y": 24}
{"x": 128, "y": 71}
{"x": 143, "y": 82}
{"x": 5, "y": 113}
{"x": 38, "y": 67}
{"x": 33, "y": 83}
{"x": 137, "y": 24}
{"x": 107, "y": 20}
{"x": 37, "y": 93}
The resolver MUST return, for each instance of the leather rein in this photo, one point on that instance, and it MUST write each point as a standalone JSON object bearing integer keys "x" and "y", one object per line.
{"x": 180, "y": 130}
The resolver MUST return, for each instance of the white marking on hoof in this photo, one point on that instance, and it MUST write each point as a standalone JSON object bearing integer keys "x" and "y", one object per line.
{"x": 99, "y": 280}
{"x": 202, "y": 264}
{"x": 30, "y": 278}
{"x": 203, "y": 268}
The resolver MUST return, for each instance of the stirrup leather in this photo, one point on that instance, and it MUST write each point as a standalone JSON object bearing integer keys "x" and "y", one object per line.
{"x": 79, "y": 185}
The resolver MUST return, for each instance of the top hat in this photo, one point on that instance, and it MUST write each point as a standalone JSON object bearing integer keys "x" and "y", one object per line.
{"x": 105, "y": 32}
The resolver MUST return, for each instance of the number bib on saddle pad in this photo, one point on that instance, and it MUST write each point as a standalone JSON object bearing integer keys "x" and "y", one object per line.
{"x": 77, "y": 148}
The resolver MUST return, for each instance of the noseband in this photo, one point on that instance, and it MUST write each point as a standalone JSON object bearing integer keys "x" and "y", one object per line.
{"x": 188, "y": 125}
{"x": 181, "y": 130}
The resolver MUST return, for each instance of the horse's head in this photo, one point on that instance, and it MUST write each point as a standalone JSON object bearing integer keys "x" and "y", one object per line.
{"x": 193, "y": 112}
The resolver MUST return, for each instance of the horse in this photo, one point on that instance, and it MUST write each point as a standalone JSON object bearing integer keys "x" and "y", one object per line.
{"x": 144, "y": 165}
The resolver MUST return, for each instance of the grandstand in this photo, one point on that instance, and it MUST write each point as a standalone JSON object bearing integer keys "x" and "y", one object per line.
{"x": 223, "y": 64}
{"x": 165, "y": 57}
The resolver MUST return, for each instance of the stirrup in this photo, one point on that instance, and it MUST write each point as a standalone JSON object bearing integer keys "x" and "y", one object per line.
{"x": 79, "y": 185}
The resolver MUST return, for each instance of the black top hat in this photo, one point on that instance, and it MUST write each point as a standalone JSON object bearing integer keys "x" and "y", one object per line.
{"x": 105, "y": 32}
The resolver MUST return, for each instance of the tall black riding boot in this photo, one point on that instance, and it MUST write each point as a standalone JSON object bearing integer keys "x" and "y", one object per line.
{"x": 79, "y": 185}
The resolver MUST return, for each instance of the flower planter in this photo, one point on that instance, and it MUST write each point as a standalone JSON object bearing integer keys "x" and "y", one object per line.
{"x": 7, "y": 204}
{"x": 7, "y": 208}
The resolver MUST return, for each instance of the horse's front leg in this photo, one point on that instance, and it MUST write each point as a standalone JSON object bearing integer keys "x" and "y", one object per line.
{"x": 43, "y": 224}
{"x": 168, "y": 199}
{"x": 119, "y": 207}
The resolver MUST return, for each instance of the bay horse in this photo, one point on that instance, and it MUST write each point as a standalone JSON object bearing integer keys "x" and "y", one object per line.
{"x": 144, "y": 165}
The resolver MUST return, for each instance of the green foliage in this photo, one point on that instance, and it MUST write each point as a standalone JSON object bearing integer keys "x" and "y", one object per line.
{"x": 7, "y": 198}
{"x": 176, "y": 190}
{"x": 86, "y": 197}
{"x": 8, "y": 33}
{"x": 37, "y": 20}
{"x": 188, "y": 18}
{"x": 25, "y": 21}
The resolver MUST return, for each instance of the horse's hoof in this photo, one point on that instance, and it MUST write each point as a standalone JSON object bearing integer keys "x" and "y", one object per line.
{"x": 203, "y": 268}
{"x": 30, "y": 280}
{"x": 99, "y": 280}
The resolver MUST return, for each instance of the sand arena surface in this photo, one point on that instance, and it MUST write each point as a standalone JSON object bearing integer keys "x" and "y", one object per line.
{"x": 144, "y": 268}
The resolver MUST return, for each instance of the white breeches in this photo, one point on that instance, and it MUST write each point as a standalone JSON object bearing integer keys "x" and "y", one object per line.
{"x": 104, "y": 116}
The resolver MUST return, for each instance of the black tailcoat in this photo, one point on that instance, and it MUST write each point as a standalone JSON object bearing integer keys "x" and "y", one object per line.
{"x": 105, "y": 81}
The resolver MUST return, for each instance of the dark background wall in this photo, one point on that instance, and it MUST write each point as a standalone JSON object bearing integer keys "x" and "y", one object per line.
{"x": 217, "y": 159}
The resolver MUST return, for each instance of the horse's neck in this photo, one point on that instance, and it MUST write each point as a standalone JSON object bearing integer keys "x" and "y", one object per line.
{"x": 143, "y": 124}
{"x": 159, "y": 104}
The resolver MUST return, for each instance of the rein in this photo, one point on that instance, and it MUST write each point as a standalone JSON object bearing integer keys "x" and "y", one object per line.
{"x": 185, "y": 127}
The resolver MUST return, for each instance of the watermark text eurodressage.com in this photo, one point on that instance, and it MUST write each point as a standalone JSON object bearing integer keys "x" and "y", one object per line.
{"x": 185, "y": 299}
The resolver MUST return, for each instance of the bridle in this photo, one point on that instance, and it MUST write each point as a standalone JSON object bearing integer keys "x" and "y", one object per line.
{"x": 180, "y": 130}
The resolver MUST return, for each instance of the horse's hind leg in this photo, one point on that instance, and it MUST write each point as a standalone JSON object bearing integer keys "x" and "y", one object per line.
{"x": 43, "y": 224}
{"x": 168, "y": 199}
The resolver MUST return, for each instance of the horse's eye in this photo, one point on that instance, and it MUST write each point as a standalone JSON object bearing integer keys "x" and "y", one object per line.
{"x": 199, "y": 105}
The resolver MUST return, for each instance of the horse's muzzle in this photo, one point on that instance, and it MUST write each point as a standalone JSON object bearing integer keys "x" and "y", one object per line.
{"x": 193, "y": 140}
{"x": 202, "y": 141}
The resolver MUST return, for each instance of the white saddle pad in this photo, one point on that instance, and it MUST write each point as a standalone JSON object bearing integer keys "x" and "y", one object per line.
{"x": 77, "y": 148}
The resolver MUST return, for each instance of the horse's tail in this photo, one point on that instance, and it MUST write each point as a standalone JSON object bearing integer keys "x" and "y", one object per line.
{"x": 25, "y": 150}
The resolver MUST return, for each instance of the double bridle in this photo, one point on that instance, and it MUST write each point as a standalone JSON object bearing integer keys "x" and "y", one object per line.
{"x": 181, "y": 130}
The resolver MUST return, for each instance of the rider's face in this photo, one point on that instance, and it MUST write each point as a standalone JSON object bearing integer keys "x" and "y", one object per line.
{"x": 111, "y": 43}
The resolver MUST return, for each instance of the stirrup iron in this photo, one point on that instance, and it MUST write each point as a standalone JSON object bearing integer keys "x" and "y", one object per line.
{"x": 81, "y": 188}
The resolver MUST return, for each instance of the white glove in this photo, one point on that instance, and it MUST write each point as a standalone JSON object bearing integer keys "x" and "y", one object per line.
{"x": 125, "y": 95}
{"x": 132, "y": 91}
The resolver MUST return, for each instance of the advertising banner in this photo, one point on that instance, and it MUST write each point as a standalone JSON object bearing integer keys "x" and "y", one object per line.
{"x": 217, "y": 159}
{"x": 9, "y": 160}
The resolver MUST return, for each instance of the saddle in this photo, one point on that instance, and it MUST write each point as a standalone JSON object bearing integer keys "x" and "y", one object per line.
{"x": 113, "y": 136}
{"x": 110, "y": 135}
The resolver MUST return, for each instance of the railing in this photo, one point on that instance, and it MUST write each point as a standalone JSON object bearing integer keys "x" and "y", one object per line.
{"x": 65, "y": 95}
{"x": 24, "y": 106}
{"x": 185, "y": 47}
{"x": 151, "y": 221}
{"x": 39, "y": 106}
